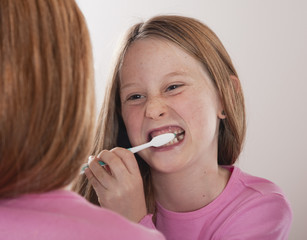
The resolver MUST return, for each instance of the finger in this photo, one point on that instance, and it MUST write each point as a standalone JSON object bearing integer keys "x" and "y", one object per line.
{"x": 128, "y": 159}
{"x": 97, "y": 185}
{"x": 99, "y": 188}
{"x": 101, "y": 174}
{"x": 114, "y": 162}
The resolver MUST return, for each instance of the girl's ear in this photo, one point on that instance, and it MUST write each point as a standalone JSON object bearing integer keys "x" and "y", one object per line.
{"x": 236, "y": 88}
{"x": 235, "y": 82}
{"x": 222, "y": 115}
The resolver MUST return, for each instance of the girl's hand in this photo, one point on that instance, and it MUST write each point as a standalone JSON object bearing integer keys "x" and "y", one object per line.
{"x": 119, "y": 184}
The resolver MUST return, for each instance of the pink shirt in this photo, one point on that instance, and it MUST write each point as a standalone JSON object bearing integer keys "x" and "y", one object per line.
{"x": 249, "y": 208}
{"x": 65, "y": 215}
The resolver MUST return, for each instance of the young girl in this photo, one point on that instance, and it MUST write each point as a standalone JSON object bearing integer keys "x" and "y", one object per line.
{"x": 47, "y": 114}
{"x": 174, "y": 75}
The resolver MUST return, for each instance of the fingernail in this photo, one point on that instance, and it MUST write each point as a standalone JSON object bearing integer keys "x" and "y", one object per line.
{"x": 90, "y": 159}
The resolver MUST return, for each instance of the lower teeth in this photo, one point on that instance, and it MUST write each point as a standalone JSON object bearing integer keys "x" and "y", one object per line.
{"x": 176, "y": 139}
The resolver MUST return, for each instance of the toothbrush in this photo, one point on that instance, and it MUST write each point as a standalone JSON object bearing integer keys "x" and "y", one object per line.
{"x": 157, "y": 141}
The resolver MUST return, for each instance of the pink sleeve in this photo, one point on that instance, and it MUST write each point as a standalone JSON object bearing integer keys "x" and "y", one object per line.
{"x": 147, "y": 222}
{"x": 266, "y": 218}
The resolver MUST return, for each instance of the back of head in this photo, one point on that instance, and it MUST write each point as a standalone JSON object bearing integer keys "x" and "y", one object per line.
{"x": 46, "y": 95}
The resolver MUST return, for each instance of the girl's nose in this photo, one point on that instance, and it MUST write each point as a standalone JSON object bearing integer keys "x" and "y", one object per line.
{"x": 155, "y": 109}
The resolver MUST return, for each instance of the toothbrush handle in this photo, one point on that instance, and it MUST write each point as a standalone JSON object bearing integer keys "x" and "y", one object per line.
{"x": 133, "y": 150}
{"x": 139, "y": 148}
{"x": 85, "y": 165}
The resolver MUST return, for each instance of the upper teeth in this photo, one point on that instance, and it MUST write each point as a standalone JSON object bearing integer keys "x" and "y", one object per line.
{"x": 178, "y": 132}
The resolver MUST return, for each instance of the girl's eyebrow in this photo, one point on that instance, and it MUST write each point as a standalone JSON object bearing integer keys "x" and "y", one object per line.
{"x": 176, "y": 73}
{"x": 168, "y": 75}
{"x": 127, "y": 85}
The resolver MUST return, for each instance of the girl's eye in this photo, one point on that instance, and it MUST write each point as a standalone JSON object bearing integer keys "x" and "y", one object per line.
{"x": 173, "y": 87}
{"x": 134, "y": 97}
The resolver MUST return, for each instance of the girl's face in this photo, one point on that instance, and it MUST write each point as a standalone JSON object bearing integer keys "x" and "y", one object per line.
{"x": 164, "y": 89}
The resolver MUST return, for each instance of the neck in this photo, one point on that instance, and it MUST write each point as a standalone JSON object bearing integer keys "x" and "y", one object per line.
{"x": 190, "y": 189}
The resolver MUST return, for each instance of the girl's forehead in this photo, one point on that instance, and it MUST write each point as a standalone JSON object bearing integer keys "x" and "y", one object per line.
{"x": 157, "y": 53}
{"x": 150, "y": 45}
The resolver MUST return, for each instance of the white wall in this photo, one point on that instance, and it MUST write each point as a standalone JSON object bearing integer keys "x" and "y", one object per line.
{"x": 267, "y": 41}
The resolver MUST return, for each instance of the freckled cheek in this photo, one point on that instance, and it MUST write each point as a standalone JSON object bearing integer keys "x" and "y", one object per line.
{"x": 189, "y": 109}
{"x": 197, "y": 115}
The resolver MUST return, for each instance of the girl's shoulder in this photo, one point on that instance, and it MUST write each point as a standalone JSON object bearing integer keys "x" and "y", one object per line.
{"x": 255, "y": 184}
{"x": 257, "y": 208}
{"x": 242, "y": 181}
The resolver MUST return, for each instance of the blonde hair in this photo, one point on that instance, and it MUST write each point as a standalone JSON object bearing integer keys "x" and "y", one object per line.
{"x": 200, "y": 42}
{"x": 46, "y": 95}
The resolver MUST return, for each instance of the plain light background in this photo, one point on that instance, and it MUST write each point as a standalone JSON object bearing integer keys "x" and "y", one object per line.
{"x": 267, "y": 41}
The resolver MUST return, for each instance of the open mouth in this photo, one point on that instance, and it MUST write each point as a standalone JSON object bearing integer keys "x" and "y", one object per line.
{"x": 179, "y": 134}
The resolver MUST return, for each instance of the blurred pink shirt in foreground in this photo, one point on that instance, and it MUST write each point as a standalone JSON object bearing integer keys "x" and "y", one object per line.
{"x": 60, "y": 215}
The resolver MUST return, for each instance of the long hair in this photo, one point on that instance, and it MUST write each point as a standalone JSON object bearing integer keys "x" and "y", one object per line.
{"x": 47, "y": 105}
{"x": 201, "y": 43}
